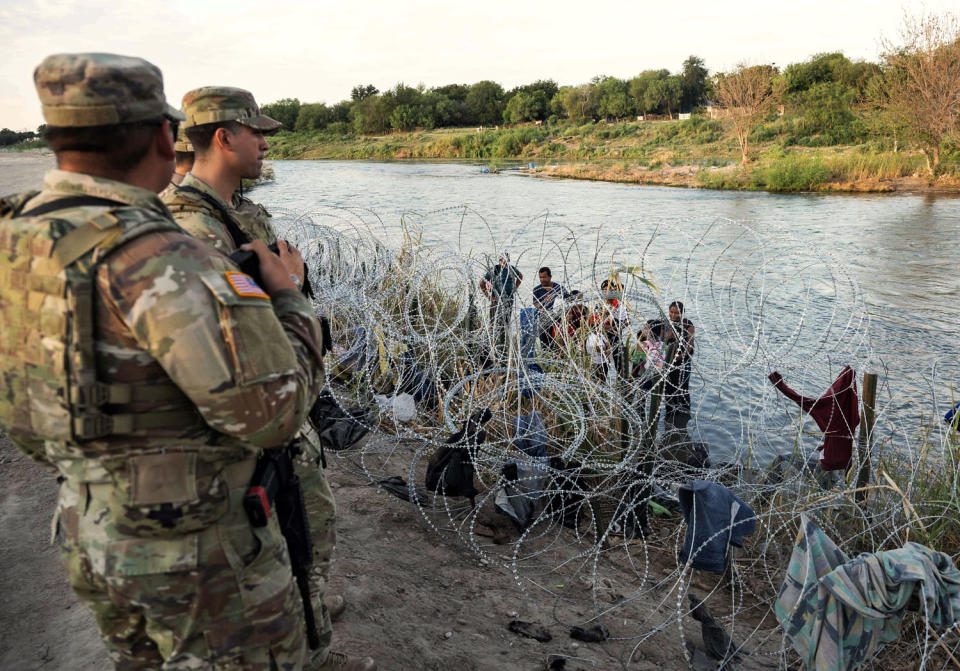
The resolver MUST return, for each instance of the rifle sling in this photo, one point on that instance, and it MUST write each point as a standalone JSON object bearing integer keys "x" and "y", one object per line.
{"x": 239, "y": 237}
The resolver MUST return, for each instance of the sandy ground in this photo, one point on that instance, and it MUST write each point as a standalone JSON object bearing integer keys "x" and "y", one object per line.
{"x": 417, "y": 599}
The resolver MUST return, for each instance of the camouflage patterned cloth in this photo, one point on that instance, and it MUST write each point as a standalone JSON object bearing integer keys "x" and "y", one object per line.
{"x": 80, "y": 90}
{"x": 160, "y": 548}
{"x": 176, "y": 179}
{"x": 214, "y": 104}
{"x": 837, "y": 612}
{"x": 183, "y": 142}
{"x": 205, "y": 222}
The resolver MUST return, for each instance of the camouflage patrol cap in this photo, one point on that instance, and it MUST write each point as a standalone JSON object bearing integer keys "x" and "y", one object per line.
{"x": 213, "y": 104}
{"x": 79, "y": 90}
{"x": 183, "y": 142}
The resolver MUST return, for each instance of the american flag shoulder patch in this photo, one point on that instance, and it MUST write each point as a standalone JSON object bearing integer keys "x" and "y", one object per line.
{"x": 244, "y": 285}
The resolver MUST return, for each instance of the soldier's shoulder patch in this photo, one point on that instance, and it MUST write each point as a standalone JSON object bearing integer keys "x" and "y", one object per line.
{"x": 244, "y": 285}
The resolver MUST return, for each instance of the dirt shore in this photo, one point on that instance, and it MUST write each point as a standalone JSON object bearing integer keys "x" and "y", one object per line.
{"x": 417, "y": 599}
{"x": 686, "y": 176}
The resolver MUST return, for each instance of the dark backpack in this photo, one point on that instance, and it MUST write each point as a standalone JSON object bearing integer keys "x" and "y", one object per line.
{"x": 450, "y": 470}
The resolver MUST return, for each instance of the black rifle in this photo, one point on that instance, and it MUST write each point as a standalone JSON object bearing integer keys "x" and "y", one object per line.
{"x": 249, "y": 263}
{"x": 276, "y": 488}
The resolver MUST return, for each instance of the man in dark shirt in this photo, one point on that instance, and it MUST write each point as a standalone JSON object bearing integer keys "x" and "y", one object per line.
{"x": 544, "y": 296}
{"x": 499, "y": 284}
{"x": 680, "y": 329}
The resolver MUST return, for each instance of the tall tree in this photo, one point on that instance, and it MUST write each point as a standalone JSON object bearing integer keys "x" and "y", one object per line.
{"x": 638, "y": 88}
{"x": 485, "y": 102}
{"x": 285, "y": 110}
{"x": 746, "y": 97}
{"x": 921, "y": 82}
{"x": 693, "y": 80}
{"x": 362, "y": 91}
{"x": 577, "y": 101}
{"x": 612, "y": 98}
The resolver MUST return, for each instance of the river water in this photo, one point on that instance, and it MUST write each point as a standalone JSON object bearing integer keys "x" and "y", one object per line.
{"x": 799, "y": 283}
{"x": 803, "y": 284}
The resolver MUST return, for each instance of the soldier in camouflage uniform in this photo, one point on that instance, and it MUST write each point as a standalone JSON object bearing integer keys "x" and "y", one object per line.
{"x": 208, "y": 205}
{"x": 183, "y": 152}
{"x": 227, "y": 129}
{"x": 148, "y": 371}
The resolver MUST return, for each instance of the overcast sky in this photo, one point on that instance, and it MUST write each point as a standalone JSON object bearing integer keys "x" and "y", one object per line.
{"x": 317, "y": 51}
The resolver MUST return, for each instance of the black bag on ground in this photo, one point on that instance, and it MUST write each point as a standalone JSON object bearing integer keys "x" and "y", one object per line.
{"x": 450, "y": 470}
{"x": 339, "y": 428}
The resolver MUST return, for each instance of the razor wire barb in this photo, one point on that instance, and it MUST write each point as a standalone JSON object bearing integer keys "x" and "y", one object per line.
{"x": 408, "y": 315}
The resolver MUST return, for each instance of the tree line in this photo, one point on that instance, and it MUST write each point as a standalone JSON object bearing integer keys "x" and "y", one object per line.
{"x": 486, "y": 103}
{"x": 10, "y": 137}
{"x": 910, "y": 97}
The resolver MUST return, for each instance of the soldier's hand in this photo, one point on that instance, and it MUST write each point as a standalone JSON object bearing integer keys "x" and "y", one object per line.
{"x": 292, "y": 259}
{"x": 273, "y": 272}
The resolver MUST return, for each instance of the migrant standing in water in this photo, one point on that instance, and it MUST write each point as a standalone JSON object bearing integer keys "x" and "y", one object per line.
{"x": 499, "y": 285}
{"x": 678, "y": 329}
{"x": 545, "y": 295}
{"x": 614, "y": 318}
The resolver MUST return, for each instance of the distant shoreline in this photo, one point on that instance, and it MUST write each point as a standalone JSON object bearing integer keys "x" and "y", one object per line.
{"x": 23, "y": 171}
{"x": 664, "y": 153}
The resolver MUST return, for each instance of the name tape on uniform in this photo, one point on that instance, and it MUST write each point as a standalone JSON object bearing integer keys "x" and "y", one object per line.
{"x": 244, "y": 285}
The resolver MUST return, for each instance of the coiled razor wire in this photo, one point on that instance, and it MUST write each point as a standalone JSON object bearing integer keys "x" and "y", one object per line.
{"x": 403, "y": 304}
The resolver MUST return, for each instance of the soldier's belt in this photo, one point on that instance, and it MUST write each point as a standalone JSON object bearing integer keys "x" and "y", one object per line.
{"x": 100, "y": 393}
{"x": 99, "y": 425}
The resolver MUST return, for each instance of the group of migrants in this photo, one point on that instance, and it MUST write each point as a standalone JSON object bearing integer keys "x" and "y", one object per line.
{"x": 160, "y": 382}
{"x": 565, "y": 322}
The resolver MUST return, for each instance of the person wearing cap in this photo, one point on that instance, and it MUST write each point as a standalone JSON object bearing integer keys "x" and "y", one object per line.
{"x": 226, "y": 128}
{"x": 183, "y": 162}
{"x": 117, "y": 372}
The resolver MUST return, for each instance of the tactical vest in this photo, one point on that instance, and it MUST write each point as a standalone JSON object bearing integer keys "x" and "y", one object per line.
{"x": 49, "y": 389}
{"x": 190, "y": 199}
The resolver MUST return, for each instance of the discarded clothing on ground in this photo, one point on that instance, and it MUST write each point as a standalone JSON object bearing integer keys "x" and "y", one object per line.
{"x": 837, "y": 612}
{"x": 450, "y": 470}
{"x": 401, "y": 489}
{"x": 716, "y": 518}
{"x": 594, "y": 634}
{"x": 415, "y": 382}
{"x": 566, "y": 487}
{"x": 525, "y": 477}
{"x": 716, "y": 640}
{"x": 529, "y": 630}
{"x": 352, "y": 359}
{"x": 836, "y": 413}
{"x": 338, "y": 428}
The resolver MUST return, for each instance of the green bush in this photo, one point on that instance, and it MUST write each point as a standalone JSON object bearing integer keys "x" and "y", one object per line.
{"x": 791, "y": 173}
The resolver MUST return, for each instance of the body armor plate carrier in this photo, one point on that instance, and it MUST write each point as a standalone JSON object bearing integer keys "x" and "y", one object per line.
{"x": 48, "y": 375}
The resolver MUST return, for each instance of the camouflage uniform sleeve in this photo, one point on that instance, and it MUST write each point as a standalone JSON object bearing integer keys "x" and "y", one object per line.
{"x": 204, "y": 227}
{"x": 251, "y": 366}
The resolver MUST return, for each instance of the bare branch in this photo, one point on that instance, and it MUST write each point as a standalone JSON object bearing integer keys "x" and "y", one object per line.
{"x": 746, "y": 96}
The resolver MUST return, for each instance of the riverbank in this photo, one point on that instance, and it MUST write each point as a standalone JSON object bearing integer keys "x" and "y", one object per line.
{"x": 773, "y": 176}
{"x": 693, "y": 153}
